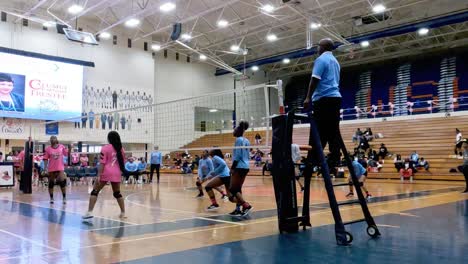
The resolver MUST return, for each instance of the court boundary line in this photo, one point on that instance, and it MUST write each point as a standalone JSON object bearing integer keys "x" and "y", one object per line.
{"x": 29, "y": 240}
{"x": 69, "y": 212}
{"x": 224, "y": 227}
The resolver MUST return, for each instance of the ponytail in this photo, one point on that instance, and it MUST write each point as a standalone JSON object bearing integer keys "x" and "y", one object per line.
{"x": 114, "y": 139}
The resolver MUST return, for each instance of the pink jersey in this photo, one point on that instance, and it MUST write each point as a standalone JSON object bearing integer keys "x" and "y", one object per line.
{"x": 55, "y": 157}
{"x": 109, "y": 160}
{"x": 75, "y": 158}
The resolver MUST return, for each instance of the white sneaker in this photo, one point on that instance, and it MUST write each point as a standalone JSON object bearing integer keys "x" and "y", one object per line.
{"x": 122, "y": 216}
{"x": 88, "y": 215}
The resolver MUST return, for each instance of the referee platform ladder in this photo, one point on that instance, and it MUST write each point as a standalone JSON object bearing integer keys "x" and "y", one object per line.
{"x": 285, "y": 184}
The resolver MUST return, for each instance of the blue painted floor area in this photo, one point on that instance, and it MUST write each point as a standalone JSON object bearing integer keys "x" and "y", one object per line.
{"x": 56, "y": 216}
{"x": 436, "y": 234}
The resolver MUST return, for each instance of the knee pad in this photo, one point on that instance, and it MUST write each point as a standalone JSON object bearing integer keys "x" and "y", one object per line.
{"x": 361, "y": 184}
{"x": 117, "y": 195}
{"x": 63, "y": 183}
{"x": 231, "y": 199}
{"x": 94, "y": 193}
{"x": 207, "y": 188}
{"x": 198, "y": 184}
{"x": 235, "y": 191}
{"x": 350, "y": 183}
{"x": 51, "y": 184}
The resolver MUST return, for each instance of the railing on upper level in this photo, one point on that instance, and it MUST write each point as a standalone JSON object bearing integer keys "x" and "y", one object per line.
{"x": 408, "y": 108}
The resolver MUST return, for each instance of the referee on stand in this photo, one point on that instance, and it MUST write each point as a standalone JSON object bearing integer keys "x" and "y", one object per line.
{"x": 324, "y": 93}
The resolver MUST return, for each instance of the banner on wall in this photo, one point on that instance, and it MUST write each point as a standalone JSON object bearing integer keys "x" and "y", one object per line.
{"x": 52, "y": 129}
{"x": 12, "y": 126}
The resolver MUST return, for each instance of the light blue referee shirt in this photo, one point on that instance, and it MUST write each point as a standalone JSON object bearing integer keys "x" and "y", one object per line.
{"x": 327, "y": 70}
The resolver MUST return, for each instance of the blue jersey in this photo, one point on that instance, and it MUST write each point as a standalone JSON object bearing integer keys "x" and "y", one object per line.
{"x": 142, "y": 166}
{"x": 327, "y": 70}
{"x": 205, "y": 167}
{"x": 241, "y": 155}
{"x": 131, "y": 166}
{"x": 220, "y": 167}
{"x": 358, "y": 169}
{"x": 156, "y": 157}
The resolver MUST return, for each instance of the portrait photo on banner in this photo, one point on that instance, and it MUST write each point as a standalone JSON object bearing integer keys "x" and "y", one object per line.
{"x": 12, "y": 92}
{"x": 6, "y": 175}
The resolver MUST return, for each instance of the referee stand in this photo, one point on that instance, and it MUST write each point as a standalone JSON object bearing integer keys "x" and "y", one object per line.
{"x": 285, "y": 185}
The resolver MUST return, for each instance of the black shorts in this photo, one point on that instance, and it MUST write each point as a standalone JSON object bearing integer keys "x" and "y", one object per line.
{"x": 459, "y": 144}
{"x": 226, "y": 181}
{"x": 242, "y": 172}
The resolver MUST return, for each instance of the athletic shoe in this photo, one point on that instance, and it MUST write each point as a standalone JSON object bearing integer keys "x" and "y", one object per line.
{"x": 225, "y": 198}
{"x": 235, "y": 213}
{"x": 200, "y": 196}
{"x": 213, "y": 207}
{"x": 64, "y": 201}
{"x": 88, "y": 215}
{"x": 368, "y": 197}
{"x": 52, "y": 201}
{"x": 349, "y": 195}
{"x": 247, "y": 210}
{"x": 122, "y": 216}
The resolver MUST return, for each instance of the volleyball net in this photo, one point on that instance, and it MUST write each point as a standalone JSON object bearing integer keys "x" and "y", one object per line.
{"x": 188, "y": 125}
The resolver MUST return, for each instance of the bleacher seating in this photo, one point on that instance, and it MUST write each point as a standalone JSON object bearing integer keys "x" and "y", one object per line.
{"x": 432, "y": 137}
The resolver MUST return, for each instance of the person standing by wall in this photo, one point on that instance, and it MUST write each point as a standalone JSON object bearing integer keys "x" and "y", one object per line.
{"x": 91, "y": 119}
{"x": 325, "y": 98}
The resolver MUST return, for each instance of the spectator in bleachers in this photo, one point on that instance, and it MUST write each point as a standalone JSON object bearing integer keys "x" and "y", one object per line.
{"x": 423, "y": 164}
{"x": 359, "y": 153}
{"x": 364, "y": 145}
{"x": 383, "y": 152}
{"x": 357, "y": 136}
{"x": 372, "y": 155}
{"x": 195, "y": 162}
{"x": 368, "y": 134}
{"x": 258, "y": 139}
{"x": 406, "y": 172}
{"x": 267, "y": 167}
{"x": 186, "y": 167}
{"x": 399, "y": 163}
{"x": 414, "y": 157}
{"x": 373, "y": 164}
{"x": 458, "y": 142}
{"x": 258, "y": 159}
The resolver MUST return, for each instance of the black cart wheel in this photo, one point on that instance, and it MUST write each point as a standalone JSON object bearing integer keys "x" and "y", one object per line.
{"x": 349, "y": 237}
{"x": 372, "y": 231}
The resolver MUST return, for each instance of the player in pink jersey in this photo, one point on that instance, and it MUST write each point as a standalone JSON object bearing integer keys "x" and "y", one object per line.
{"x": 111, "y": 168}
{"x": 53, "y": 164}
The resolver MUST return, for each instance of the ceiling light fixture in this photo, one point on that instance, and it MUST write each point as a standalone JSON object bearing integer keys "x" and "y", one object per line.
{"x": 156, "y": 47}
{"x": 255, "y": 68}
{"x": 49, "y": 24}
{"x": 213, "y": 110}
{"x": 202, "y": 57}
{"x": 286, "y": 61}
{"x": 222, "y": 23}
{"x": 75, "y": 9}
{"x": 167, "y": 7}
{"x": 235, "y": 48}
{"x": 268, "y": 8}
{"x": 272, "y": 37}
{"x": 423, "y": 31}
{"x": 186, "y": 36}
{"x": 315, "y": 25}
{"x": 105, "y": 35}
{"x": 365, "y": 44}
{"x": 379, "y": 8}
{"x": 132, "y": 22}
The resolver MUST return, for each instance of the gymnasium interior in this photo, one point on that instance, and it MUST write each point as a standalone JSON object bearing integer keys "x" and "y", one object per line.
{"x": 175, "y": 78}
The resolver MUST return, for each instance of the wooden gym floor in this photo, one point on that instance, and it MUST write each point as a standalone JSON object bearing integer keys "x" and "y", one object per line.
{"x": 420, "y": 222}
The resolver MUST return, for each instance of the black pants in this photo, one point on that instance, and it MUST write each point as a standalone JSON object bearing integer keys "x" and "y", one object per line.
{"x": 464, "y": 170}
{"x": 131, "y": 173}
{"x": 327, "y": 117}
{"x": 114, "y": 103}
{"x": 152, "y": 168}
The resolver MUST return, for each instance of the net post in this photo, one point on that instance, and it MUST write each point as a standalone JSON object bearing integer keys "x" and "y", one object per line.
{"x": 267, "y": 114}
{"x": 279, "y": 84}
